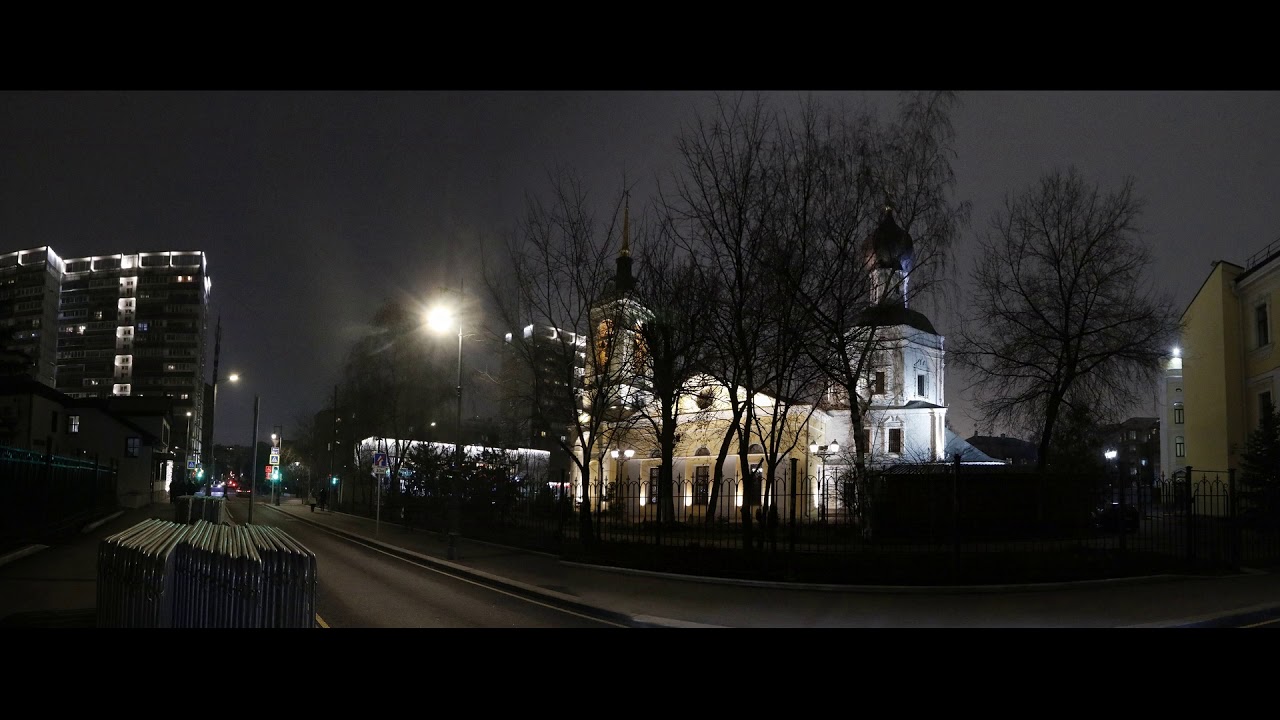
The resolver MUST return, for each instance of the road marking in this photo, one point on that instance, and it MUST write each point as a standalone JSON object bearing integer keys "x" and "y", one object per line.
{"x": 1260, "y": 624}
{"x": 320, "y": 621}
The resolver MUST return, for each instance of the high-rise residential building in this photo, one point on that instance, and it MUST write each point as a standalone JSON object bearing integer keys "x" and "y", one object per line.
{"x": 29, "y": 281}
{"x": 134, "y": 326}
{"x": 110, "y": 326}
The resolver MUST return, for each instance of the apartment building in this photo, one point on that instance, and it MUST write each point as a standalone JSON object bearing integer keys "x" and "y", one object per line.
{"x": 112, "y": 326}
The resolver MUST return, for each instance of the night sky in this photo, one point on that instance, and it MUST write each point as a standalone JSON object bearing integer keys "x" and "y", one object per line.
{"x": 314, "y": 207}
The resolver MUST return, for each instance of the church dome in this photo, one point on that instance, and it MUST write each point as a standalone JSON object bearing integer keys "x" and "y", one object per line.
{"x": 890, "y": 244}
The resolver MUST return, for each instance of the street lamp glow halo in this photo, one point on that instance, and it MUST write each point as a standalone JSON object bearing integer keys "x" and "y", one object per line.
{"x": 234, "y": 377}
{"x": 440, "y": 318}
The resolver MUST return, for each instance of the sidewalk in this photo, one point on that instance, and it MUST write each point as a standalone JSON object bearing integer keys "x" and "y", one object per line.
{"x": 44, "y": 585}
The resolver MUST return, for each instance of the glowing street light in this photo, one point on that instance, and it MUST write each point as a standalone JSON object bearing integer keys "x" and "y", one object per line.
{"x": 442, "y": 318}
{"x": 213, "y": 445}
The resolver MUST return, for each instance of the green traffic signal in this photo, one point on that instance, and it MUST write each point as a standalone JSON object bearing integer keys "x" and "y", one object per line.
{"x": 200, "y": 474}
{"x": 334, "y": 481}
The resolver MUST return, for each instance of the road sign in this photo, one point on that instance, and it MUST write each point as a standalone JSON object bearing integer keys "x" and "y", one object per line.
{"x": 275, "y": 459}
{"x": 380, "y": 471}
{"x": 380, "y": 460}
{"x": 191, "y": 464}
{"x": 275, "y": 451}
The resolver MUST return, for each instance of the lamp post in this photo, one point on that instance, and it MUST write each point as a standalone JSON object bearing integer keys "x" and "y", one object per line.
{"x": 618, "y": 457}
{"x": 824, "y": 451}
{"x": 213, "y": 445}
{"x": 253, "y": 468}
{"x": 442, "y": 319}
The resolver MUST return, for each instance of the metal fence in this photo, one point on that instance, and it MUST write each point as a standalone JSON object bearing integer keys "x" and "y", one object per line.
{"x": 43, "y": 492}
{"x": 1198, "y": 518}
{"x": 168, "y": 574}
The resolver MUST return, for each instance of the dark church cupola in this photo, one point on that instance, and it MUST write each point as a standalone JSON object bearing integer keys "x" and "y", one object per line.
{"x": 891, "y": 257}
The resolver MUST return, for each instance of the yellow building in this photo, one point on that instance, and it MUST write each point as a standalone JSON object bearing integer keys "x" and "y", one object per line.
{"x": 1230, "y": 364}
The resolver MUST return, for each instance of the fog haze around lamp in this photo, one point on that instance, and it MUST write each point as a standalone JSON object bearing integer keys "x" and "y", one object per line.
{"x": 440, "y": 319}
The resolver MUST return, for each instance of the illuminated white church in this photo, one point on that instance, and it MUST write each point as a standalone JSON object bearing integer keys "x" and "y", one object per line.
{"x": 906, "y": 420}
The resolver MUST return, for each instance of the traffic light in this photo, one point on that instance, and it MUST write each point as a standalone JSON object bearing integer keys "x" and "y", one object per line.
{"x": 200, "y": 474}
{"x": 275, "y": 475}
{"x": 334, "y": 481}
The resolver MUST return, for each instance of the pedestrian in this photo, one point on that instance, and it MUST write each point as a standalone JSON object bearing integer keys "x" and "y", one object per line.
{"x": 324, "y": 498}
{"x": 311, "y": 500}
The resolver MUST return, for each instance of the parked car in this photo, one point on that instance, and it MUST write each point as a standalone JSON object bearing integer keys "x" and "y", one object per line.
{"x": 1108, "y": 517}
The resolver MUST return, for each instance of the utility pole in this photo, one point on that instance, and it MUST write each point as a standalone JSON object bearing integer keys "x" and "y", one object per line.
{"x": 213, "y": 411}
{"x": 253, "y": 469}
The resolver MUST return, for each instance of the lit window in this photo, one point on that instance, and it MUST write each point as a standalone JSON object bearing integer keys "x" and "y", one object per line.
{"x": 73, "y": 423}
{"x": 133, "y": 447}
{"x": 1179, "y": 447}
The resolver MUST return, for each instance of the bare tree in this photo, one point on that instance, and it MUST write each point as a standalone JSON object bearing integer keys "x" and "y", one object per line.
{"x": 563, "y": 266}
{"x": 720, "y": 211}
{"x": 1064, "y": 313}
{"x": 843, "y": 168}
{"x": 675, "y": 338}
{"x": 396, "y": 381}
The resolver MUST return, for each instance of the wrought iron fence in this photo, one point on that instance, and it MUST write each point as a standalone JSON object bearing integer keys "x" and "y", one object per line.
{"x": 1199, "y": 517}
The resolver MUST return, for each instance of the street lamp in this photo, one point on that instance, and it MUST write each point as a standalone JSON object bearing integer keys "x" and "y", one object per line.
{"x": 213, "y": 445}
{"x": 617, "y": 455}
{"x": 824, "y": 451}
{"x": 443, "y": 319}
{"x": 253, "y": 467}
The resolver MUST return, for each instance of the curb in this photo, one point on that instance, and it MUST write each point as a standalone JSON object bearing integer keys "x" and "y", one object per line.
{"x": 901, "y": 589}
{"x": 101, "y": 521}
{"x": 1196, "y": 620}
{"x": 21, "y": 553}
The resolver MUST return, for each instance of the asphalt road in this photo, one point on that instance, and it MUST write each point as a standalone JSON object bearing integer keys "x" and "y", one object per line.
{"x": 362, "y": 586}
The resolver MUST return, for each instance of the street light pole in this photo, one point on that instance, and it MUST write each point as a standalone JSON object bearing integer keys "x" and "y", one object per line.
{"x": 454, "y": 530}
{"x": 442, "y": 318}
{"x": 253, "y": 469}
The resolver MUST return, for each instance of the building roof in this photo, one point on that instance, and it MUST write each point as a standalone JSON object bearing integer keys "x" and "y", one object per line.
{"x": 20, "y": 385}
{"x": 889, "y": 315}
{"x": 956, "y": 445}
{"x": 1003, "y": 446}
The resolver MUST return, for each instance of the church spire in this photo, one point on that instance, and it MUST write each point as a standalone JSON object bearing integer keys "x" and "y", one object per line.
{"x": 626, "y": 230}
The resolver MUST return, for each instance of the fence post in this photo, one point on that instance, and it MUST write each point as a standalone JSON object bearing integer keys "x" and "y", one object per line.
{"x": 1189, "y": 505}
{"x": 955, "y": 518}
{"x": 1233, "y": 526}
{"x": 1122, "y": 519}
{"x": 791, "y": 511}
